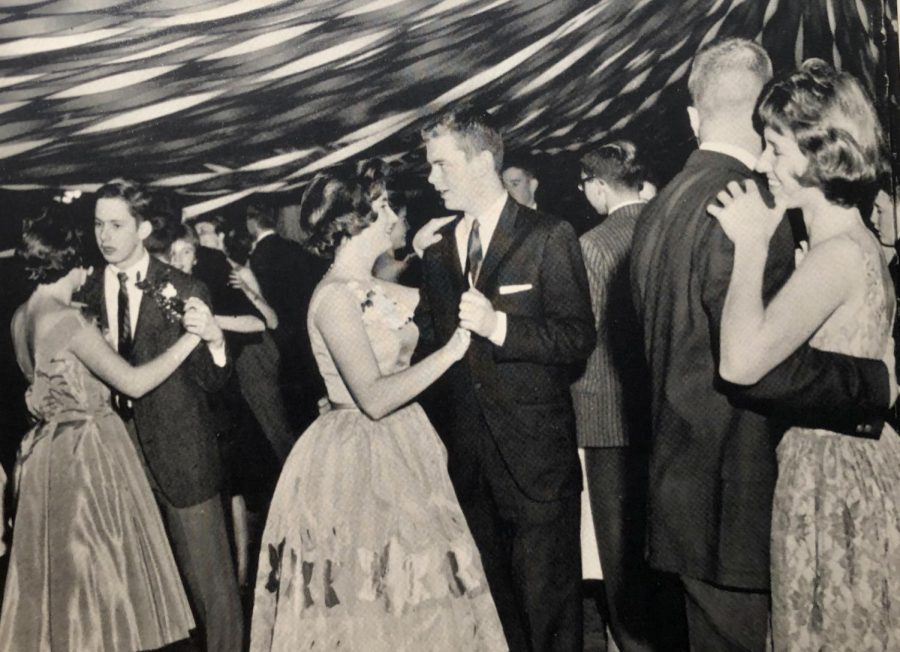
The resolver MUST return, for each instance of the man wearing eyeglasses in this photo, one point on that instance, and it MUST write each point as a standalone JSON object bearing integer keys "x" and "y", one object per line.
{"x": 611, "y": 400}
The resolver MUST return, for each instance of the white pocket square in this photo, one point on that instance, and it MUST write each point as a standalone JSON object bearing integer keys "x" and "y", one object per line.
{"x": 513, "y": 289}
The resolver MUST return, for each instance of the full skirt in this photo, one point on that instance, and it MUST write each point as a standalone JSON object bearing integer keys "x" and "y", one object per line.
{"x": 836, "y": 543}
{"x": 90, "y": 567}
{"x": 366, "y": 548}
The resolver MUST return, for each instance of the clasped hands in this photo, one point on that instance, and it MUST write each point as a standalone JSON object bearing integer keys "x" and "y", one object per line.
{"x": 199, "y": 320}
{"x": 476, "y": 315}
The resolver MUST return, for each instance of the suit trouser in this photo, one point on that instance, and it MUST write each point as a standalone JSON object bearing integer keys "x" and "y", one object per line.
{"x": 531, "y": 552}
{"x": 618, "y": 506}
{"x": 257, "y": 368}
{"x": 200, "y": 546}
{"x": 722, "y": 619}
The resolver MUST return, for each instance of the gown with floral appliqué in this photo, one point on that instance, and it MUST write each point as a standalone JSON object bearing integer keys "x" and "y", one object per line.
{"x": 836, "y": 511}
{"x": 366, "y": 547}
{"x": 90, "y": 567}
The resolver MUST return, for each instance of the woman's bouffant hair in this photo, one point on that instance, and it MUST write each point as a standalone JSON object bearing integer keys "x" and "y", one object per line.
{"x": 836, "y": 127}
{"x": 379, "y": 179}
{"x": 51, "y": 245}
{"x": 334, "y": 207}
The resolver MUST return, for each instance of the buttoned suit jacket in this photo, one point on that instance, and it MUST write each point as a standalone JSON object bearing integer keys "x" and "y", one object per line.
{"x": 713, "y": 465}
{"x": 518, "y": 393}
{"x": 174, "y": 425}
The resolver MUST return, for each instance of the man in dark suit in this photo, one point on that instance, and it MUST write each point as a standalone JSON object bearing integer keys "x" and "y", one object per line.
{"x": 713, "y": 465}
{"x": 287, "y": 276}
{"x": 612, "y": 401}
{"x": 172, "y": 427}
{"x": 515, "y": 278}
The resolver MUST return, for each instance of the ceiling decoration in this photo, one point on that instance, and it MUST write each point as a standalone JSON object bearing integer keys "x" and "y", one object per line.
{"x": 224, "y": 98}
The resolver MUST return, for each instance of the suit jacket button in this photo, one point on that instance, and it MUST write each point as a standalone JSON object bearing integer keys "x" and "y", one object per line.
{"x": 477, "y": 385}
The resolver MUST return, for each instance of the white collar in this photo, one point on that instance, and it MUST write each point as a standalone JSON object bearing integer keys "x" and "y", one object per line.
{"x": 262, "y": 234}
{"x": 624, "y": 204}
{"x": 491, "y": 215}
{"x": 138, "y": 269}
{"x": 734, "y": 151}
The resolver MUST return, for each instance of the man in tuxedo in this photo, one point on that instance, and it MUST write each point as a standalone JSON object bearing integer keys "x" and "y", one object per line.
{"x": 713, "y": 465}
{"x": 287, "y": 276}
{"x": 171, "y": 426}
{"x": 516, "y": 279}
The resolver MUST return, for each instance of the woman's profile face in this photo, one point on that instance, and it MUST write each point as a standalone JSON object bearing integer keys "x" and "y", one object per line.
{"x": 381, "y": 229}
{"x": 783, "y": 164}
{"x": 183, "y": 256}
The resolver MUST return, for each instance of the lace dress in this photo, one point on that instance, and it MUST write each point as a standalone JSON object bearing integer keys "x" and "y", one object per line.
{"x": 365, "y": 547}
{"x": 836, "y": 513}
{"x": 90, "y": 567}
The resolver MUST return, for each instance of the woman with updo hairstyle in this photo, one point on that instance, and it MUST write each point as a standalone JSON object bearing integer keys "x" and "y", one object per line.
{"x": 835, "y": 540}
{"x": 366, "y": 547}
{"x": 90, "y": 566}
{"x": 381, "y": 184}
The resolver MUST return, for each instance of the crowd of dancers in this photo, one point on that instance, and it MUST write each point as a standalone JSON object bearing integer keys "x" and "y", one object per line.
{"x": 690, "y": 402}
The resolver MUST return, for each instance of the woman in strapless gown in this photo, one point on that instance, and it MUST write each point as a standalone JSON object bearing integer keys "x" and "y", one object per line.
{"x": 90, "y": 567}
{"x": 366, "y": 547}
{"x": 836, "y": 511}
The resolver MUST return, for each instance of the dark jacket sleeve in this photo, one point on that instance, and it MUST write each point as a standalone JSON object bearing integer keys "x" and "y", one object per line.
{"x": 811, "y": 388}
{"x": 563, "y": 332}
{"x": 424, "y": 317}
{"x": 206, "y": 373}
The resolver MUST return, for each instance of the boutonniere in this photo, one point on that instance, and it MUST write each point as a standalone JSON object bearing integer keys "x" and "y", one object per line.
{"x": 166, "y": 297}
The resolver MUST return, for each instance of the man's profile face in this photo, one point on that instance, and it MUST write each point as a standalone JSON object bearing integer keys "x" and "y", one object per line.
{"x": 119, "y": 236}
{"x": 519, "y": 185}
{"x": 207, "y": 235}
{"x": 453, "y": 174}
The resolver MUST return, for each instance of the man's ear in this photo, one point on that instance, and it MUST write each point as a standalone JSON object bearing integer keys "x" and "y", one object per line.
{"x": 533, "y": 184}
{"x": 694, "y": 117}
{"x": 144, "y": 229}
{"x": 487, "y": 160}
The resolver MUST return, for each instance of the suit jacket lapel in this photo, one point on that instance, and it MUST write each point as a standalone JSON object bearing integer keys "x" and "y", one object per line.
{"x": 500, "y": 244}
{"x": 448, "y": 252}
{"x": 148, "y": 313}
{"x": 93, "y": 295}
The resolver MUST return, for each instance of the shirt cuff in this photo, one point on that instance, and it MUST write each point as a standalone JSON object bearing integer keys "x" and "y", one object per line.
{"x": 217, "y": 351}
{"x": 498, "y": 336}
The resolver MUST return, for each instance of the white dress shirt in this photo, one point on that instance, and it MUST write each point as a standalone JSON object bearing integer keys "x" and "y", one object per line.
{"x": 137, "y": 272}
{"x": 487, "y": 224}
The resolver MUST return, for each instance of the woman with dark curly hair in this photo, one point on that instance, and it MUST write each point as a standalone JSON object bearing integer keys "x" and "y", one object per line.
{"x": 836, "y": 512}
{"x": 90, "y": 566}
{"x": 366, "y": 547}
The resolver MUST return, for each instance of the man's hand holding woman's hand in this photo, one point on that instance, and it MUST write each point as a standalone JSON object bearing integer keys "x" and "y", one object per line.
{"x": 199, "y": 320}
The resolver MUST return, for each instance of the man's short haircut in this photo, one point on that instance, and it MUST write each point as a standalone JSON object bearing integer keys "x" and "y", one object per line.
{"x": 521, "y": 162}
{"x": 475, "y": 131}
{"x": 217, "y": 221}
{"x": 139, "y": 201}
{"x": 720, "y": 71}
{"x": 263, "y": 215}
{"x": 617, "y": 163}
